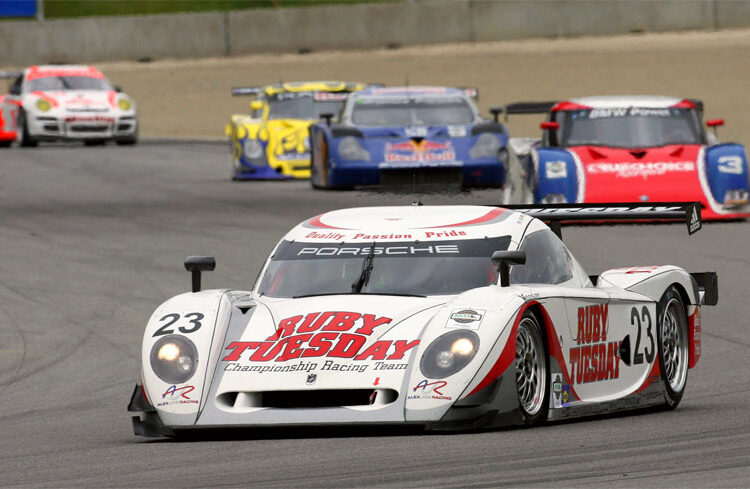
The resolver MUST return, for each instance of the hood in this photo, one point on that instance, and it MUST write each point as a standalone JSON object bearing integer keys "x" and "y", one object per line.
{"x": 344, "y": 341}
{"x": 80, "y": 100}
{"x": 662, "y": 174}
{"x": 288, "y": 138}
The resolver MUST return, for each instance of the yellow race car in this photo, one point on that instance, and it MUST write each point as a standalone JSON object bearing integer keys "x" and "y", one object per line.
{"x": 273, "y": 141}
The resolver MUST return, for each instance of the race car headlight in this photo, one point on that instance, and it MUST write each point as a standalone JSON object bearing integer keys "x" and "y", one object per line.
{"x": 124, "y": 104}
{"x": 736, "y": 198}
{"x": 253, "y": 149}
{"x": 174, "y": 359}
{"x": 43, "y": 105}
{"x": 487, "y": 146}
{"x": 449, "y": 353}
{"x": 554, "y": 199}
{"x": 350, "y": 149}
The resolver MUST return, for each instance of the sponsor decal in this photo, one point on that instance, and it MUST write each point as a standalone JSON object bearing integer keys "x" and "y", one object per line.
{"x": 594, "y": 359}
{"x": 415, "y": 132}
{"x": 424, "y": 151}
{"x": 331, "y": 334}
{"x": 555, "y": 169}
{"x": 330, "y": 236}
{"x": 177, "y": 395}
{"x": 382, "y": 236}
{"x": 527, "y": 296}
{"x": 456, "y": 131}
{"x": 640, "y": 169}
{"x": 694, "y": 224}
{"x": 429, "y": 390}
{"x": 311, "y": 378}
{"x": 444, "y": 234}
{"x": 630, "y": 112}
{"x": 465, "y": 319}
{"x": 88, "y": 118}
{"x": 379, "y": 250}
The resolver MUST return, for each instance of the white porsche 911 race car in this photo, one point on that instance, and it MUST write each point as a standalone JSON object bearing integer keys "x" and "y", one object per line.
{"x": 66, "y": 102}
{"x": 448, "y": 317}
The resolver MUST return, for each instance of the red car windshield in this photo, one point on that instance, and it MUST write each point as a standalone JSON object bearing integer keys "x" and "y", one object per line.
{"x": 630, "y": 127}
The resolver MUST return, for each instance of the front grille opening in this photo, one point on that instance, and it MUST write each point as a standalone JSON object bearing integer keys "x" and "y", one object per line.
{"x": 307, "y": 398}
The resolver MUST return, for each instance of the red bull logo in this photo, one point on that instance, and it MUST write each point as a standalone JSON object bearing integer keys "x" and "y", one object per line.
{"x": 422, "y": 151}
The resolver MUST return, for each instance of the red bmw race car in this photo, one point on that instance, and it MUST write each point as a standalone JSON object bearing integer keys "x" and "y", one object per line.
{"x": 630, "y": 149}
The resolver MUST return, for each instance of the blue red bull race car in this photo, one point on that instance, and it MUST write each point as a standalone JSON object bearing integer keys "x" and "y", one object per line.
{"x": 409, "y": 135}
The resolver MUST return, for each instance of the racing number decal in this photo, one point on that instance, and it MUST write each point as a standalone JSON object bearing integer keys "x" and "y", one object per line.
{"x": 193, "y": 317}
{"x": 730, "y": 164}
{"x": 638, "y": 320}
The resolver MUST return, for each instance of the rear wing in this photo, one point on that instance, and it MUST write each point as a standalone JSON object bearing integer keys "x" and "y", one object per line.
{"x": 529, "y": 107}
{"x": 558, "y": 215}
{"x": 239, "y": 91}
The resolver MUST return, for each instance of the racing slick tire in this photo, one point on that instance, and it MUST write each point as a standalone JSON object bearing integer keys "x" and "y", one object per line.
{"x": 672, "y": 338}
{"x": 532, "y": 370}
{"x": 128, "y": 140}
{"x": 25, "y": 140}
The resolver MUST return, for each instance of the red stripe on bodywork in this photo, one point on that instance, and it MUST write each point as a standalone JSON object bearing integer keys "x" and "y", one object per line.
{"x": 487, "y": 217}
{"x": 694, "y": 336}
{"x": 508, "y": 355}
{"x": 111, "y": 96}
{"x": 652, "y": 376}
{"x": 569, "y": 106}
{"x": 316, "y": 222}
{"x": 684, "y": 104}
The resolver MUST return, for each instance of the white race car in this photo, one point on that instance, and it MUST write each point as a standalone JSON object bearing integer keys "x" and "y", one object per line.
{"x": 67, "y": 102}
{"x": 441, "y": 316}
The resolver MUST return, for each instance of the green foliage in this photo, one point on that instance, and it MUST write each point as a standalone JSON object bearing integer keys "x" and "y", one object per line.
{"x": 86, "y": 8}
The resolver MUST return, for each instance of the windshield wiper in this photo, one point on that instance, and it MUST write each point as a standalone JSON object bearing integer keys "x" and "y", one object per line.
{"x": 364, "y": 277}
{"x": 397, "y": 294}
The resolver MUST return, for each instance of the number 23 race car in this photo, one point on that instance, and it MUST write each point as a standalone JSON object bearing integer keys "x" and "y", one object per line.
{"x": 447, "y": 317}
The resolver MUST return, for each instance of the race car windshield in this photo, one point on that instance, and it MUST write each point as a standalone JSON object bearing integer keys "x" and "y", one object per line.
{"x": 632, "y": 127}
{"x": 397, "y": 268}
{"x": 301, "y": 105}
{"x": 61, "y": 83}
{"x": 394, "y": 111}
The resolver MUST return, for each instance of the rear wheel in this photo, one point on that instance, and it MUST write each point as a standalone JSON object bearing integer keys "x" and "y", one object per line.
{"x": 25, "y": 139}
{"x": 672, "y": 334}
{"x": 532, "y": 370}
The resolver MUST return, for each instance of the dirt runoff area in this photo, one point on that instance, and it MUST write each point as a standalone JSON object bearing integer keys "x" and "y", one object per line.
{"x": 191, "y": 98}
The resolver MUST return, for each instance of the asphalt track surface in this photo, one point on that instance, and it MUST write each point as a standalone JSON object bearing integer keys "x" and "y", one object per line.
{"x": 92, "y": 240}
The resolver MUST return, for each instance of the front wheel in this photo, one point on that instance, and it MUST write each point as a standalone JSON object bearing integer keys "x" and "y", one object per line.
{"x": 532, "y": 370}
{"x": 672, "y": 334}
{"x": 25, "y": 139}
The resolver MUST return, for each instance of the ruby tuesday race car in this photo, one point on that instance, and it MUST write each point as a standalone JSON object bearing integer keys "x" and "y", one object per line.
{"x": 409, "y": 135}
{"x": 441, "y": 316}
{"x": 630, "y": 149}
{"x": 65, "y": 102}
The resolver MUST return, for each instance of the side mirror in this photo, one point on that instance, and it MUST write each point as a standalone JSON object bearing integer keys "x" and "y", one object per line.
{"x": 117, "y": 88}
{"x": 547, "y": 126}
{"x": 327, "y": 117}
{"x": 256, "y": 105}
{"x": 496, "y": 111}
{"x": 198, "y": 264}
{"x": 503, "y": 260}
{"x": 713, "y": 124}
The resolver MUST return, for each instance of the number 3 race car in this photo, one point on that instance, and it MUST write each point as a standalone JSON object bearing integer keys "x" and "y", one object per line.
{"x": 65, "y": 102}
{"x": 631, "y": 149}
{"x": 441, "y": 316}
{"x": 408, "y": 135}
{"x": 272, "y": 143}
